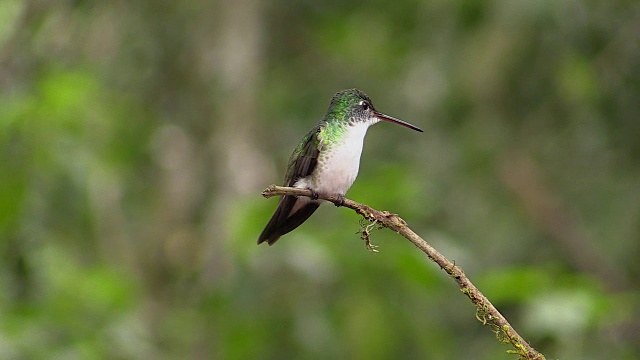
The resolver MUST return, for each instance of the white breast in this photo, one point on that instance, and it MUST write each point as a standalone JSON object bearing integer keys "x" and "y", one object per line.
{"x": 338, "y": 165}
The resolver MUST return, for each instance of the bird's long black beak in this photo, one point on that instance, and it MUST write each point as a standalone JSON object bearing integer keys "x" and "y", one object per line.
{"x": 391, "y": 119}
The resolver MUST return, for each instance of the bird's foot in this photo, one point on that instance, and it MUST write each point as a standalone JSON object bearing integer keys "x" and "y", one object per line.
{"x": 314, "y": 194}
{"x": 339, "y": 201}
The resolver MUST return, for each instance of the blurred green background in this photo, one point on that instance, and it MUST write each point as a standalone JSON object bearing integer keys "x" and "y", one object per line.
{"x": 136, "y": 137}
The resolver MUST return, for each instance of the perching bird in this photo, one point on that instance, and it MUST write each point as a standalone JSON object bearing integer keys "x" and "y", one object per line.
{"x": 327, "y": 159}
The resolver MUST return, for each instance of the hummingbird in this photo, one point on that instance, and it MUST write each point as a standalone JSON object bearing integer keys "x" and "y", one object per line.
{"x": 327, "y": 160}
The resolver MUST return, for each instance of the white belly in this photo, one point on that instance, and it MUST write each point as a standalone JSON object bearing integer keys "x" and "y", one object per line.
{"x": 338, "y": 165}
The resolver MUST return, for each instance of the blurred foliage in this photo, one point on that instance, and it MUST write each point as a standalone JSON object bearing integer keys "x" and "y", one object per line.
{"x": 137, "y": 136}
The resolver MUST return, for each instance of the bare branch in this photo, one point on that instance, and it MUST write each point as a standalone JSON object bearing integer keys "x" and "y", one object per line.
{"x": 486, "y": 313}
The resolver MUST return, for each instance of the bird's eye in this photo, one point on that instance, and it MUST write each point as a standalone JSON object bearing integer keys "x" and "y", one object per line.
{"x": 365, "y": 105}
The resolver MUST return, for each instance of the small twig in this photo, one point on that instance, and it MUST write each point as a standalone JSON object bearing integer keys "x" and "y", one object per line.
{"x": 486, "y": 313}
{"x": 366, "y": 226}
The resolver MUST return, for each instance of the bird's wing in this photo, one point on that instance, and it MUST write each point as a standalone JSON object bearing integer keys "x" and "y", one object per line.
{"x": 303, "y": 165}
{"x": 287, "y": 216}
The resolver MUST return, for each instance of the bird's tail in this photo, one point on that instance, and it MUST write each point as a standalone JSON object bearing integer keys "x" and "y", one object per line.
{"x": 285, "y": 220}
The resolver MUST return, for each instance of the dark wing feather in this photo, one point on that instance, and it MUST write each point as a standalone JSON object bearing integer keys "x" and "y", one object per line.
{"x": 301, "y": 164}
{"x": 278, "y": 227}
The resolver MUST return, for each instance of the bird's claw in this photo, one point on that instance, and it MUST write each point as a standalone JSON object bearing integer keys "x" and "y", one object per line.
{"x": 339, "y": 201}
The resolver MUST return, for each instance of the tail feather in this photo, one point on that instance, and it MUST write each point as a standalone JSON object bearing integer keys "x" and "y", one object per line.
{"x": 284, "y": 220}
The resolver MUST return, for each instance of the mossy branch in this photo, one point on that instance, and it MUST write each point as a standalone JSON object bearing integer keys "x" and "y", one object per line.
{"x": 486, "y": 313}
